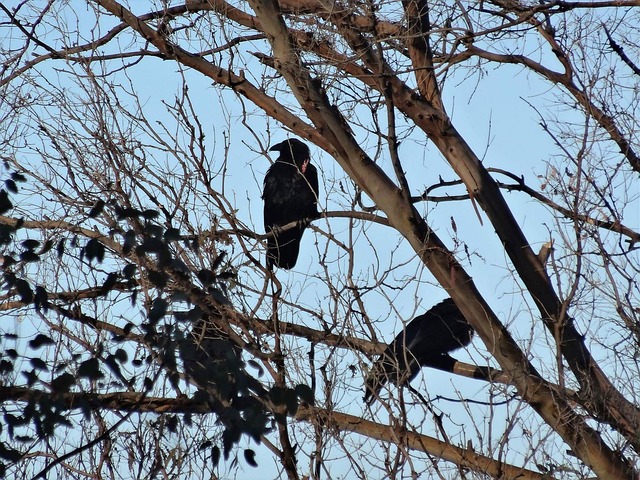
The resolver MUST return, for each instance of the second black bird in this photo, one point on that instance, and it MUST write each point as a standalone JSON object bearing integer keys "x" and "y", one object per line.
{"x": 426, "y": 341}
{"x": 290, "y": 195}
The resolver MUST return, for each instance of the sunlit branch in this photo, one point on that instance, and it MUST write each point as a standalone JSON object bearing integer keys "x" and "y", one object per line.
{"x": 131, "y": 402}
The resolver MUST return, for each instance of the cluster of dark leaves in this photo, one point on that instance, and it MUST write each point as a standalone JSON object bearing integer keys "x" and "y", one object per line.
{"x": 215, "y": 367}
{"x": 7, "y": 453}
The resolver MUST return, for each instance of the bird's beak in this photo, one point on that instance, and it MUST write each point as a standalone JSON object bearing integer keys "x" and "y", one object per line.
{"x": 275, "y": 148}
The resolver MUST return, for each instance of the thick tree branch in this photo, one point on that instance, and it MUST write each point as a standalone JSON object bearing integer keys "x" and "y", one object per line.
{"x": 132, "y": 402}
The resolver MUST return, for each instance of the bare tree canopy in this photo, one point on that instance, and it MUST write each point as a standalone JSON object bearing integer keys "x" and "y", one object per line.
{"x": 486, "y": 152}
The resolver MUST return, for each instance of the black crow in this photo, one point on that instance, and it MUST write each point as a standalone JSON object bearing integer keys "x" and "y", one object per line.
{"x": 290, "y": 195}
{"x": 426, "y": 341}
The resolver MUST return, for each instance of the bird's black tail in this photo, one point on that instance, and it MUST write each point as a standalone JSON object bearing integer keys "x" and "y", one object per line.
{"x": 283, "y": 249}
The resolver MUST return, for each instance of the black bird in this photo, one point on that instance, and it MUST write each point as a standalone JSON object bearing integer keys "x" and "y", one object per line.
{"x": 426, "y": 341}
{"x": 290, "y": 195}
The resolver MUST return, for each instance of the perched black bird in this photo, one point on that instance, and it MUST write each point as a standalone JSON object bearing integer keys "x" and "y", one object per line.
{"x": 426, "y": 341}
{"x": 290, "y": 195}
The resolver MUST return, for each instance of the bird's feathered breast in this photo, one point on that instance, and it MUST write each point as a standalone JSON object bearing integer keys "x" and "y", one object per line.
{"x": 289, "y": 195}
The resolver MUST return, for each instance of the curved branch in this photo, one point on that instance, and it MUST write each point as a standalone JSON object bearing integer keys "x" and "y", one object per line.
{"x": 605, "y": 121}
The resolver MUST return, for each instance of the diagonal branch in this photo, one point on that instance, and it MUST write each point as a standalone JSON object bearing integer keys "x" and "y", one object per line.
{"x": 616, "y": 47}
{"x": 605, "y": 121}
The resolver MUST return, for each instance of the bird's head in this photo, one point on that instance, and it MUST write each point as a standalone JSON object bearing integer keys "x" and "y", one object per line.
{"x": 293, "y": 151}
